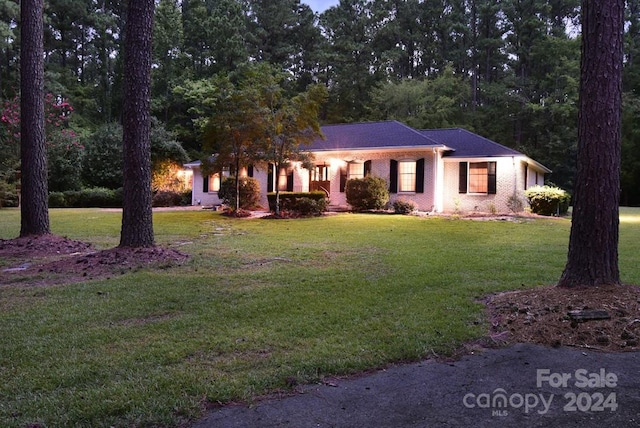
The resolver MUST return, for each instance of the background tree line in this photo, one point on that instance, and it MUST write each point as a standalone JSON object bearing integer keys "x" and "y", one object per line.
{"x": 507, "y": 70}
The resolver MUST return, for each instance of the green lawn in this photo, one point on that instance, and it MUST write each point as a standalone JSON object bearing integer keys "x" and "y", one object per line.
{"x": 260, "y": 304}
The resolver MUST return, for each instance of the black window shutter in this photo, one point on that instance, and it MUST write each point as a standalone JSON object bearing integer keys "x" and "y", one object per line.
{"x": 270, "y": 178}
{"x": 420, "y": 176}
{"x": 462, "y": 184}
{"x": 250, "y": 170}
{"x": 367, "y": 168}
{"x": 393, "y": 176}
{"x": 526, "y": 175}
{"x": 205, "y": 184}
{"x": 343, "y": 178}
{"x": 491, "y": 178}
{"x": 290, "y": 180}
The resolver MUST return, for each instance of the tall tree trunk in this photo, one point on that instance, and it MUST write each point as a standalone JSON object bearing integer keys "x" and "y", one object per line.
{"x": 593, "y": 244}
{"x": 34, "y": 209}
{"x": 137, "y": 221}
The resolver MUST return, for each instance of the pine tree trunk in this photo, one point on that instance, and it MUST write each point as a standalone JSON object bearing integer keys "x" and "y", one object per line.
{"x": 137, "y": 222}
{"x": 593, "y": 244}
{"x": 34, "y": 208}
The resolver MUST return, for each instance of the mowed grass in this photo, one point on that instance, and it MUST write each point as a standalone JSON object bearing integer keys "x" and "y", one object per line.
{"x": 261, "y": 305}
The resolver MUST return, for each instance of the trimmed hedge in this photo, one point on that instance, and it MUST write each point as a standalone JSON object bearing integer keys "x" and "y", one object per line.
{"x": 294, "y": 201}
{"x": 95, "y": 197}
{"x": 99, "y": 197}
{"x": 548, "y": 200}
{"x": 369, "y": 193}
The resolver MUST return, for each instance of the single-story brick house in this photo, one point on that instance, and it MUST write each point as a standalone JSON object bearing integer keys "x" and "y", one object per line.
{"x": 441, "y": 170}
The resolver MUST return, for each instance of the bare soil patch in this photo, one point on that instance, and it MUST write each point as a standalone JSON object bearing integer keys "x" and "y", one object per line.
{"x": 548, "y": 316}
{"x": 50, "y": 259}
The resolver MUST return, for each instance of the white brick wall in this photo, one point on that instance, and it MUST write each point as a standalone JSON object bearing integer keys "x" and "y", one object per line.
{"x": 510, "y": 174}
{"x": 510, "y": 178}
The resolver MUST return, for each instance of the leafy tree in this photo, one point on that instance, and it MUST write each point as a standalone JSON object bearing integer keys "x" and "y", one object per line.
{"x": 9, "y": 12}
{"x": 167, "y": 158}
{"x": 350, "y": 30}
{"x": 137, "y": 222}
{"x": 593, "y": 243}
{"x": 168, "y": 39}
{"x": 227, "y": 31}
{"x": 235, "y": 125}
{"x": 102, "y": 163}
{"x": 439, "y": 102}
{"x": 279, "y": 31}
{"x": 34, "y": 219}
{"x": 194, "y": 102}
{"x": 64, "y": 153}
{"x": 287, "y": 124}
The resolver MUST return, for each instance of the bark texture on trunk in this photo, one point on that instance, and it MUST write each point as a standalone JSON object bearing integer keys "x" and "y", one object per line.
{"x": 137, "y": 219}
{"x": 34, "y": 206}
{"x": 593, "y": 244}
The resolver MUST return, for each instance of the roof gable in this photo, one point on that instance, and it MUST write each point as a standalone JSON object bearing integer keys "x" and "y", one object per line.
{"x": 468, "y": 144}
{"x": 370, "y": 135}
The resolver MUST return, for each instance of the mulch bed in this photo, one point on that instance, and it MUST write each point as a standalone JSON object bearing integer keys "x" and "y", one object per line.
{"x": 547, "y": 316}
{"x": 51, "y": 259}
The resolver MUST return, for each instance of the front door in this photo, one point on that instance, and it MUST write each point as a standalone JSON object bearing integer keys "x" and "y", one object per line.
{"x": 319, "y": 179}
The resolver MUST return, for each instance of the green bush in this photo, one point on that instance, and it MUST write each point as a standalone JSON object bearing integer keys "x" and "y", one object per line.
{"x": 288, "y": 199}
{"x": 57, "y": 200}
{"x": 308, "y": 207}
{"x": 96, "y": 197}
{"x": 249, "y": 192}
{"x": 402, "y": 206}
{"x": 548, "y": 200}
{"x": 369, "y": 193}
{"x": 166, "y": 198}
{"x": 8, "y": 195}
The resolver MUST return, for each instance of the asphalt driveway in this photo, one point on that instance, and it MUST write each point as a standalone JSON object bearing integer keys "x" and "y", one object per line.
{"x": 521, "y": 386}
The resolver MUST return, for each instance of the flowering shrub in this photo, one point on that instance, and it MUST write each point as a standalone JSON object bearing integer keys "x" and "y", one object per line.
{"x": 548, "y": 200}
{"x": 64, "y": 150}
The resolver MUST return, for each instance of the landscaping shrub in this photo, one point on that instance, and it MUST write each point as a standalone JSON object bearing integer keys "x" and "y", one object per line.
{"x": 288, "y": 200}
{"x": 8, "y": 195}
{"x": 57, "y": 200}
{"x": 402, "y": 206}
{"x": 186, "y": 198}
{"x": 548, "y": 200}
{"x": 166, "y": 198}
{"x": 369, "y": 193}
{"x": 308, "y": 207}
{"x": 249, "y": 192}
{"x": 515, "y": 204}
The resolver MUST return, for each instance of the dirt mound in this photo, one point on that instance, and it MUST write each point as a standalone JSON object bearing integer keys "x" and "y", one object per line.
{"x": 51, "y": 259}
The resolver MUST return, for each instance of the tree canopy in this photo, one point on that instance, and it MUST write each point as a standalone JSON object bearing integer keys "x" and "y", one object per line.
{"x": 507, "y": 70}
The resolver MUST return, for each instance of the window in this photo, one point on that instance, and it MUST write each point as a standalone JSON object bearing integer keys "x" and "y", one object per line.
{"x": 478, "y": 173}
{"x": 320, "y": 173}
{"x": 356, "y": 170}
{"x": 282, "y": 180}
{"x": 214, "y": 183}
{"x": 477, "y": 177}
{"x": 211, "y": 183}
{"x": 406, "y": 176}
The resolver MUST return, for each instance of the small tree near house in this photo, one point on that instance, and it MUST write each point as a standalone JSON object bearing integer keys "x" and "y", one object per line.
{"x": 287, "y": 124}
{"x": 233, "y": 129}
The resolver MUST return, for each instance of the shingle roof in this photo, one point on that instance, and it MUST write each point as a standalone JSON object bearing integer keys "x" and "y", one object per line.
{"x": 468, "y": 144}
{"x": 370, "y": 135}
